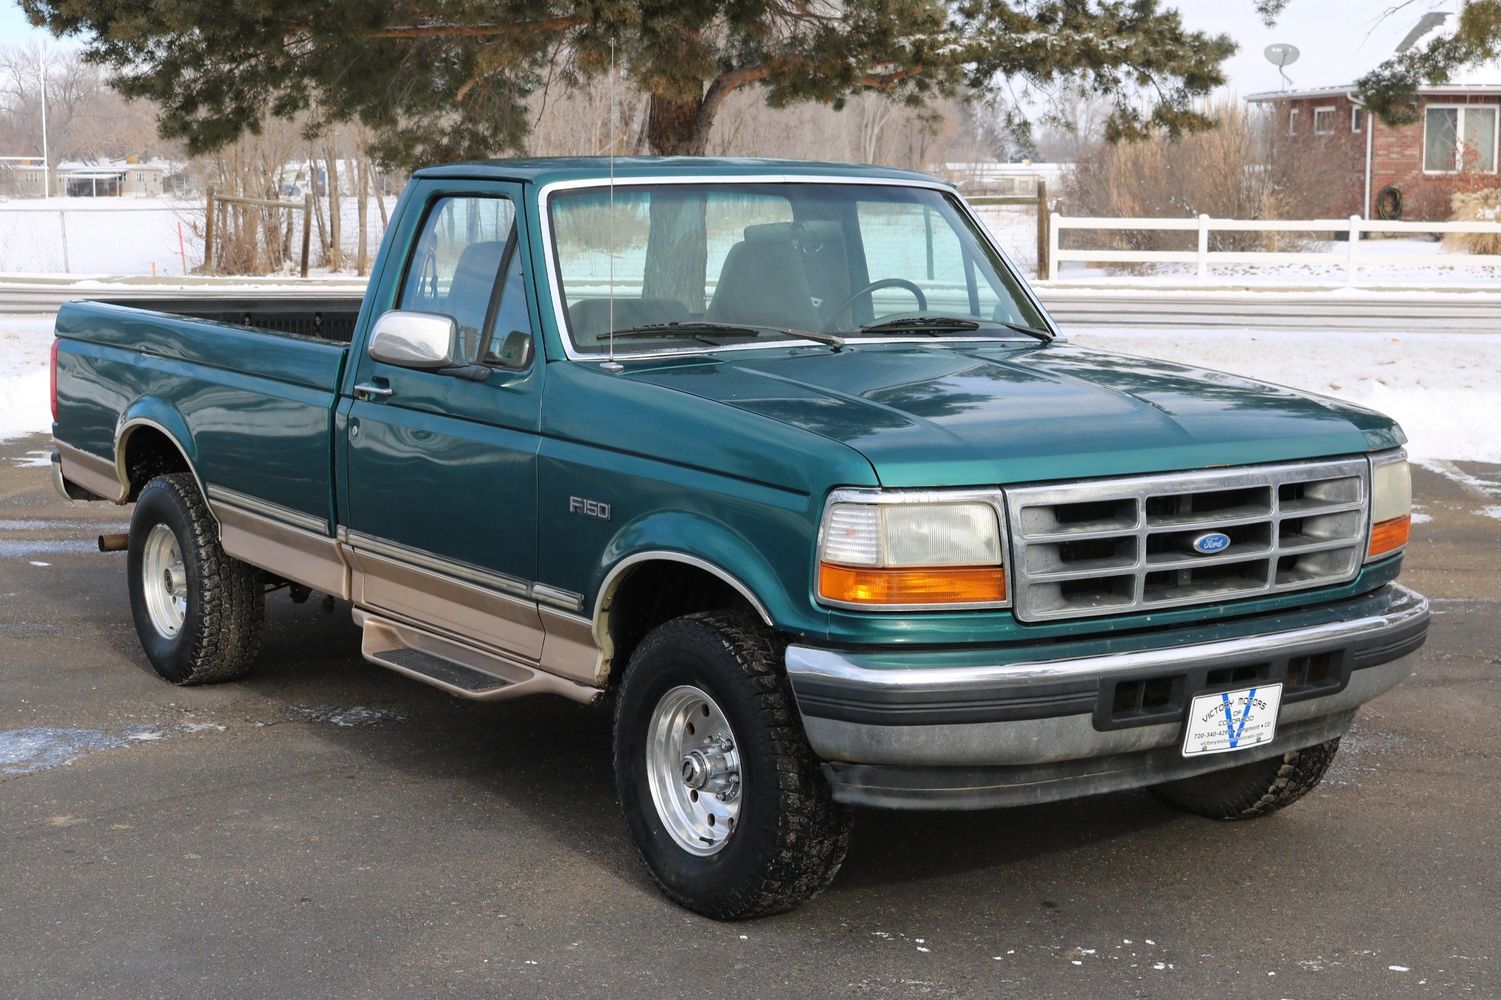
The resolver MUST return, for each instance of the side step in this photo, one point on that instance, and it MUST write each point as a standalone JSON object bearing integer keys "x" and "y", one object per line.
{"x": 459, "y": 669}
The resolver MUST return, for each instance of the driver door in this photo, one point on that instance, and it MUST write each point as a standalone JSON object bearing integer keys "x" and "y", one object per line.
{"x": 441, "y": 470}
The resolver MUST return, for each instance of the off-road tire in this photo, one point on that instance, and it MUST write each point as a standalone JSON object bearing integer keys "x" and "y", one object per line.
{"x": 220, "y": 635}
{"x": 792, "y": 836}
{"x": 1251, "y": 790}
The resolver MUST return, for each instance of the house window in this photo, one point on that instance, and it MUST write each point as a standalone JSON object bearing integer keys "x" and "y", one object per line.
{"x": 1357, "y": 119}
{"x": 1457, "y": 138}
{"x": 1292, "y": 122}
{"x": 1323, "y": 121}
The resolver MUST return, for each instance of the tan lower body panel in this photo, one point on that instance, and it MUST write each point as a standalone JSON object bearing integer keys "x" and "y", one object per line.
{"x": 493, "y": 619}
{"x": 303, "y": 557}
{"x": 569, "y": 649}
{"x": 95, "y": 474}
{"x": 555, "y": 650}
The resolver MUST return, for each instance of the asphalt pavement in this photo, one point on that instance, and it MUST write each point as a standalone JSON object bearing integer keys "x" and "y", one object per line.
{"x": 326, "y": 828}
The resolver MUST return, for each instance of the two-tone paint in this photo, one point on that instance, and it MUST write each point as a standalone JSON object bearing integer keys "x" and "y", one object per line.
{"x": 448, "y": 505}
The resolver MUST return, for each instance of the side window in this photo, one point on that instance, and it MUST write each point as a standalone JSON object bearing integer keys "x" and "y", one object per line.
{"x": 455, "y": 265}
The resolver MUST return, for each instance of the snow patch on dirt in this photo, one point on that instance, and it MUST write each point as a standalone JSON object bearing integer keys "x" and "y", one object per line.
{"x": 338, "y": 715}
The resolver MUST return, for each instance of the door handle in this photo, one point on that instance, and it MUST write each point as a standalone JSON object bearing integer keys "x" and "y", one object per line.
{"x": 369, "y": 390}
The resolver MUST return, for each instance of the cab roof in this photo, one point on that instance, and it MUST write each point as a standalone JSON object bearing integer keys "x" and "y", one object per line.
{"x": 548, "y": 170}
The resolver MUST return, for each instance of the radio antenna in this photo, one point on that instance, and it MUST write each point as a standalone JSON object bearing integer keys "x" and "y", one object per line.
{"x": 610, "y": 216}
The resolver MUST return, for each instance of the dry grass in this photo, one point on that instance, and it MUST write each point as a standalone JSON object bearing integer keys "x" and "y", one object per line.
{"x": 1217, "y": 173}
{"x": 1475, "y": 206}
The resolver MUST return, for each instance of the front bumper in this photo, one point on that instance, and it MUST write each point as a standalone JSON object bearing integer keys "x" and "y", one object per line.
{"x": 1017, "y": 725}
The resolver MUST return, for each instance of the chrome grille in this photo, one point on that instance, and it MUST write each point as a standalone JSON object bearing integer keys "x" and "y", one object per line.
{"x": 1110, "y": 546}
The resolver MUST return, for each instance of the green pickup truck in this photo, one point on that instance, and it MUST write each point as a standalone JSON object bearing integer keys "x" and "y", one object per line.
{"x": 787, "y": 461}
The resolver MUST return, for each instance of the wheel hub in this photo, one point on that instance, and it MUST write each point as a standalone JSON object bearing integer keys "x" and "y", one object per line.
{"x": 164, "y": 580}
{"x": 693, "y": 770}
{"x": 714, "y": 769}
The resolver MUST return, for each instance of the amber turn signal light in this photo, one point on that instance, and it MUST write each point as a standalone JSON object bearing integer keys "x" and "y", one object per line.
{"x": 1388, "y": 536}
{"x": 935, "y": 585}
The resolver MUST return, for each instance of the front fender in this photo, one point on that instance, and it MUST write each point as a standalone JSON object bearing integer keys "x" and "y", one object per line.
{"x": 698, "y": 541}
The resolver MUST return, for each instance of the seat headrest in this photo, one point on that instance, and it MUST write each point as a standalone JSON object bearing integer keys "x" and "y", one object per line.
{"x": 816, "y": 230}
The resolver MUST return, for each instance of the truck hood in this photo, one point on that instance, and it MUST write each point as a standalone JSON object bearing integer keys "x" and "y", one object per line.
{"x": 959, "y": 414}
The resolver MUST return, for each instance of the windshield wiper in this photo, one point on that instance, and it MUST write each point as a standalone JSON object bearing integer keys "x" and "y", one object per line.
{"x": 692, "y": 329}
{"x": 945, "y": 324}
{"x": 921, "y": 324}
{"x": 1030, "y": 331}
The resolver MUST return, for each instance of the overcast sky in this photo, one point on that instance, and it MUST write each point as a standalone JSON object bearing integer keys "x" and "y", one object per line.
{"x": 1339, "y": 39}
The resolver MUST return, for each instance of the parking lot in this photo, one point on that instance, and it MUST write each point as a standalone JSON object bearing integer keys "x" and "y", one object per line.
{"x": 327, "y": 828}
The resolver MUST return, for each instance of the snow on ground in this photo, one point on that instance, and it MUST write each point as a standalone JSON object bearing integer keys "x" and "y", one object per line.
{"x": 1445, "y": 389}
{"x": 25, "y": 403}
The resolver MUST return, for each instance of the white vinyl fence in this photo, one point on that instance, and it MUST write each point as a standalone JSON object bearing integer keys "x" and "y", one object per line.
{"x": 1346, "y": 259}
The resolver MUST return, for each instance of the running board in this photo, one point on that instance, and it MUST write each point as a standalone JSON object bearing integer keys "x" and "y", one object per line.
{"x": 460, "y": 669}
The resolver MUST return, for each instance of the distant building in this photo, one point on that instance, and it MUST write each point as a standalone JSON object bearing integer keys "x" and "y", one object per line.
{"x": 21, "y": 177}
{"x": 994, "y": 178}
{"x": 130, "y": 177}
{"x": 1411, "y": 170}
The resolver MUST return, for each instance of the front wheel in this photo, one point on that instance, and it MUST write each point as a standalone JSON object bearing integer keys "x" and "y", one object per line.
{"x": 725, "y": 801}
{"x": 197, "y": 611}
{"x": 1251, "y": 790}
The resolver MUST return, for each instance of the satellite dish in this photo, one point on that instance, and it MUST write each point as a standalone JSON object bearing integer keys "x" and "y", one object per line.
{"x": 1282, "y": 55}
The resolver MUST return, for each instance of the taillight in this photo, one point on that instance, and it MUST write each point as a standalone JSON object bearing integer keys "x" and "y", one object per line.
{"x": 52, "y": 365}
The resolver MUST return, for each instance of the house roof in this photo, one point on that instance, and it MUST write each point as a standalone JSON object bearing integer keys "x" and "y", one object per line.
{"x": 109, "y": 168}
{"x": 1478, "y": 86}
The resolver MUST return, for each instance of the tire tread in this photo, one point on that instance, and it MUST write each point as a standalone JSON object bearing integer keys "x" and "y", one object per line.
{"x": 230, "y": 599}
{"x": 812, "y": 830}
{"x": 1252, "y": 790}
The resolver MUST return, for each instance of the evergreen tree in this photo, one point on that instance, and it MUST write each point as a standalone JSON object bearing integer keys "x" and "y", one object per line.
{"x": 448, "y": 79}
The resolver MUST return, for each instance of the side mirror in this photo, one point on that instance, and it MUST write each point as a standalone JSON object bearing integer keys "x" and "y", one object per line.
{"x": 425, "y": 341}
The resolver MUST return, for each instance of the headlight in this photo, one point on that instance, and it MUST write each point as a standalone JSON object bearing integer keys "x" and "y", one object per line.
{"x": 910, "y": 551}
{"x": 1391, "y": 503}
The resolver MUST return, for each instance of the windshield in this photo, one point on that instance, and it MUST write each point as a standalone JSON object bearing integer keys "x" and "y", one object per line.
{"x": 658, "y": 267}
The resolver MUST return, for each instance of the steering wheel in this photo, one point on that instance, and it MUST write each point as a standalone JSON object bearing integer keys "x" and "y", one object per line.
{"x": 875, "y": 286}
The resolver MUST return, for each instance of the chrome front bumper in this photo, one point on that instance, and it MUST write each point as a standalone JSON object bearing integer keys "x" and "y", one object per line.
{"x": 1023, "y": 728}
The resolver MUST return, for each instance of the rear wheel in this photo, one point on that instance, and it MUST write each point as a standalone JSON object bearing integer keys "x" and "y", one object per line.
{"x": 197, "y": 611}
{"x": 725, "y": 801}
{"x": 1251, "y": 790}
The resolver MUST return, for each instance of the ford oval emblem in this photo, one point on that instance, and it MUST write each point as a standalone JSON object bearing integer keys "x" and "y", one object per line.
{"x": 1211, "y": 542}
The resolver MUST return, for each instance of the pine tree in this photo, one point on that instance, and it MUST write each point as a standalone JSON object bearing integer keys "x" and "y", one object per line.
{"x": 449, "y": 79}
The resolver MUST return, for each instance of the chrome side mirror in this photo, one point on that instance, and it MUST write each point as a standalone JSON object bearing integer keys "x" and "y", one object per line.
{"x": 421, "y": 340}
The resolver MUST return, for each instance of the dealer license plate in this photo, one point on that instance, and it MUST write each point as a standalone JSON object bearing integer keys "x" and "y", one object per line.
{"x": 1232, "y": 720}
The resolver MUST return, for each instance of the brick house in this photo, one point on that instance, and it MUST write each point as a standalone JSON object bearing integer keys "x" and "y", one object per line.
{"x": 1452, "y": 145}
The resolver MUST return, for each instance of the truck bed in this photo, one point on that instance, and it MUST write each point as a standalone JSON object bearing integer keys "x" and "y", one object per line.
{"x": 327, "y": 318}
{"x": 246, "y": 388}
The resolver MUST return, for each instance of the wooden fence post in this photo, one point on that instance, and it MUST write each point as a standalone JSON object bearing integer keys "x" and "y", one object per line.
{"x": 208, "y": 232}
{"x": 307, "y": 228}
{"x": 1044, "y": 218}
